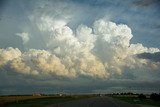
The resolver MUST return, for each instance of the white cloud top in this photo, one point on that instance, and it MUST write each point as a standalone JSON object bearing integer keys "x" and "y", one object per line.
{"x": 100, "y": 51}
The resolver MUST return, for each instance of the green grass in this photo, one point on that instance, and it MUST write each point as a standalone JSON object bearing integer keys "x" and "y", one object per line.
{"x": 136, "y": 100}
{"x": 40, "y": 102}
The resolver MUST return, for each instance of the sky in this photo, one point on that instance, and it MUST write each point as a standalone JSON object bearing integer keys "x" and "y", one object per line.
{"x": 79, "y": 46}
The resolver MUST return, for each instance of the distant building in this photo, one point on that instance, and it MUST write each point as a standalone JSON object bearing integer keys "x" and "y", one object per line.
{"x": 60, "y": 95}
{"x": 37, "y": 94}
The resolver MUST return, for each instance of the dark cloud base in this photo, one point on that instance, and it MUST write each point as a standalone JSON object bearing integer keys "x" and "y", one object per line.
{"x": 151, "y": 56}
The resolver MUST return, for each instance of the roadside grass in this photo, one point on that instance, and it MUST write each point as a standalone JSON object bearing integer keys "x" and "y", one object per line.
{"x": 136, "y": 100}
{"x": 7, "y": 99}
{"x": 37, "y": 101}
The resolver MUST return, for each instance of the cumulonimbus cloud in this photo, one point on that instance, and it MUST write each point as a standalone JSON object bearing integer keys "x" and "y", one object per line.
{"x": 99, "y": 51}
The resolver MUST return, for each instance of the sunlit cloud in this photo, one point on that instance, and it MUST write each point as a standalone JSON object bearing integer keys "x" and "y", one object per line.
{"x": 73, "y": 44}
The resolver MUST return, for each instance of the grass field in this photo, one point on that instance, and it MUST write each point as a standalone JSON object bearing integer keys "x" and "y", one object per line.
{"x": 41, "y": 101}
{"x": 133, "y": 99}
{"x": 35, "y": 101}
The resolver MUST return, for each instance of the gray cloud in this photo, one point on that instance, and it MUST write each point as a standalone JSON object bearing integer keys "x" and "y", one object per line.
{"x": 145, "y": 3}
{"x": 151, "y": 56}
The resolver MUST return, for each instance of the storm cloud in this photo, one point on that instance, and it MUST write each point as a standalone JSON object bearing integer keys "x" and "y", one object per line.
{"x": 79, "y": 46}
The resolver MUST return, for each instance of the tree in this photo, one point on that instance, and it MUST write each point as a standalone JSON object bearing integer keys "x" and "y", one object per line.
{"x": 141, "y": 96}
{"x": 155, "y": 96}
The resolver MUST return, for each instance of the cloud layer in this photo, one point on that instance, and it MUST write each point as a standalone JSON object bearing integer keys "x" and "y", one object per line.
{"x": 99, "y": 51}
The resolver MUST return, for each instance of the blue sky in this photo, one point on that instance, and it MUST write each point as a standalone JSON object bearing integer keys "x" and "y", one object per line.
{"x": 111, "y": 45}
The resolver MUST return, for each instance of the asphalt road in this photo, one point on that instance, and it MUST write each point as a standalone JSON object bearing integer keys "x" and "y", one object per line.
{"x": 95, "y": 102}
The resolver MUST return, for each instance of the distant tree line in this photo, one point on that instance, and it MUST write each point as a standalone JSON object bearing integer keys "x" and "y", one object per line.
{"x": 142, "y": 96}
{"x": 153, "y": 96}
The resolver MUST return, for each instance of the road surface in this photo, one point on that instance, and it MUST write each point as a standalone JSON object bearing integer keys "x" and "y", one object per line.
{"x": 94, "y": 102}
